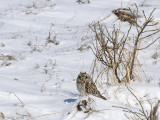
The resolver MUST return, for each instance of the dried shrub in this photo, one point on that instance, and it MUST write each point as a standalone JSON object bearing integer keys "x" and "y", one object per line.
{"x": 114, "y": 51}
{"x": 34, "y": 47}
{"x": 51, "y": 39}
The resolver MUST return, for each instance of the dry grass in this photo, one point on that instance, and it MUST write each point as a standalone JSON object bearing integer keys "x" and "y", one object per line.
{"x": 34, "y": 47}
{"x": 7, "y": 57}
{"x": 51, "y": 39}
{"x": 83, "y": 1}
{"x": 142, "y": 113}
{"x": 2, "y": 116}
{"x": 6, "y": 60}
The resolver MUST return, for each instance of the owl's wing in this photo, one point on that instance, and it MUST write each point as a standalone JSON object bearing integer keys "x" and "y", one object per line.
{"x": 91, "y": 88}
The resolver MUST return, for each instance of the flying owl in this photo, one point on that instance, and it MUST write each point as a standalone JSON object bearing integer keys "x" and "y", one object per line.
{"x": 85, "y": 86}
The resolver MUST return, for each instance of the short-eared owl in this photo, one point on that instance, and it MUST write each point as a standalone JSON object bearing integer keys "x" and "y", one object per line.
{"x": 85, "y": 86}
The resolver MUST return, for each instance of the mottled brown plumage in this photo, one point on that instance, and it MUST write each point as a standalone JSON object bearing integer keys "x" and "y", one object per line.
{"x": 85, "y": 86}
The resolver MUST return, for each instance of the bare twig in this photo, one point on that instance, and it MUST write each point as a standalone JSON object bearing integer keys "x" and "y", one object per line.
{"x": 142, "y": 114}
{"x": 17, "y": 98}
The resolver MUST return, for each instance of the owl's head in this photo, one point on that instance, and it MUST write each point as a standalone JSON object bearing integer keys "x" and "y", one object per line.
{"x": 82, "y": 77}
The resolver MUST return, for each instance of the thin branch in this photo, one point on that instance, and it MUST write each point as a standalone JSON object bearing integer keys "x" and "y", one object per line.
{"x": 150, "y": 35}
{"x": 149, "y": 44}
{"x": 17, "y": 98}
{"x": 142, "y": 109}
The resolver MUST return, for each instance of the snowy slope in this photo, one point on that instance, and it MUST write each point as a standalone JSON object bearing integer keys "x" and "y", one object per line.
{"x": 39, "y": 81}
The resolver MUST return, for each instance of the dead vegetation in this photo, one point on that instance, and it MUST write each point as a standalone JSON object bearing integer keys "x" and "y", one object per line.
{"x": 155, "y": 55}
{"x": 33, "y": 8}
{"x": 7, "y": 57}
{"x": 87, "y": 106}
{"x": 6, "y": 60}
{"x": 83, "y": 47}
{"x": 47, "y": 68}
{"x": 118, "y": 51}
{"x": 52, "y": 38}
{"x": 84, "y": 106}
{"x": 2, "y": 45}
{"x": 83, "y": 1}
{"x": 127, "y": 14}
{"x": 34, "y": 47}
{"x": 2, "y": 116}
{"x": 142, "y": 113}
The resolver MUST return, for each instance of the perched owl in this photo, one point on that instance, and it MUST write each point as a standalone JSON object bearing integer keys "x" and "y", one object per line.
{"x": 85, "y": 86}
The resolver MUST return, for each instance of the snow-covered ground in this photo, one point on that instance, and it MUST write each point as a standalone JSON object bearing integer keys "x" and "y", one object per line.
{"x": 37, "y": 78}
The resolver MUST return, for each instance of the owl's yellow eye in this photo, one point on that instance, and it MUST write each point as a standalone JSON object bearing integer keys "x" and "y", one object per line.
{"x": 85, "y": 77}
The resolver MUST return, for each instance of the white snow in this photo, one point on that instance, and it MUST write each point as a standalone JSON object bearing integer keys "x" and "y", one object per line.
{"x": 40, "y": 83}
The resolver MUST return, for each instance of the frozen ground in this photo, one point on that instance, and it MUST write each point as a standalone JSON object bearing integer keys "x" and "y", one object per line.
{"x": 38, "y": 79}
